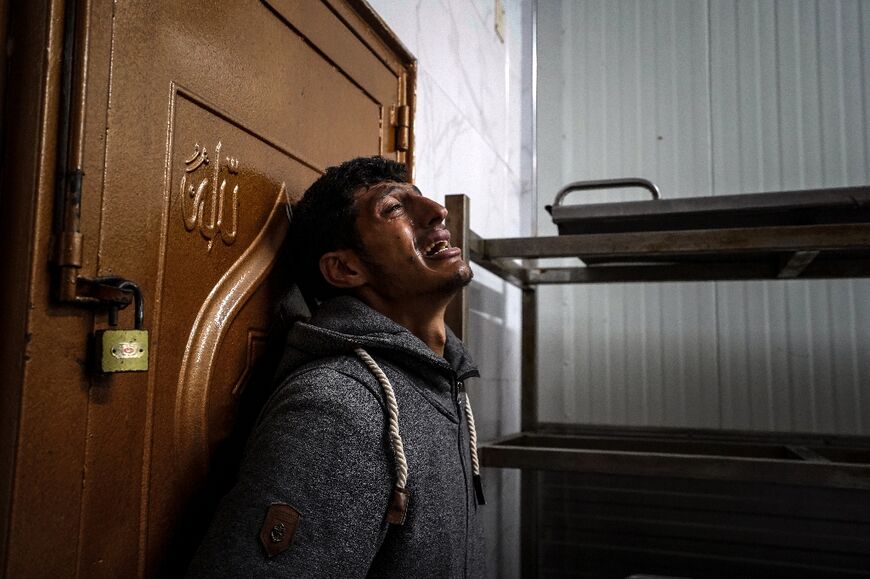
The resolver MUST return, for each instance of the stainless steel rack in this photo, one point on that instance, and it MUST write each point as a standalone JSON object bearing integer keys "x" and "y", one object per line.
{"x": 627, "y": 244}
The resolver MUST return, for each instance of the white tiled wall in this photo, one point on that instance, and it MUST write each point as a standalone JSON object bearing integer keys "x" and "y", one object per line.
{"x": 472, "y": 137}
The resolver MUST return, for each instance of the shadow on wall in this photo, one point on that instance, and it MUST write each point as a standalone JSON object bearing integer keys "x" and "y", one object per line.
{"x": 493, "y": 342}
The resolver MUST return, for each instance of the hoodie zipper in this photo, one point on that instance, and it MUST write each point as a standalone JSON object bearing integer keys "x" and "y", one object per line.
{"x": 457, "y": 387}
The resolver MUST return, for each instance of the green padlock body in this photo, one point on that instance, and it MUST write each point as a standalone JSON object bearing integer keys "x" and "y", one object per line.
{"x": 123, "y": 350}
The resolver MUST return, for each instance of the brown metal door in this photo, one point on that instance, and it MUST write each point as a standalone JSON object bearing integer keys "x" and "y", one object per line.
{"x": 202, "y": 119}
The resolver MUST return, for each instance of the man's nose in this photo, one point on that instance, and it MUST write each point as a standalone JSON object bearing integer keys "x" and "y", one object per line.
{"x": 432, "y": 213}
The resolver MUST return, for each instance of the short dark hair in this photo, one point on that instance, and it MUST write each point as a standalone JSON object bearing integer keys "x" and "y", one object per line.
{"x": 324, "y": 219}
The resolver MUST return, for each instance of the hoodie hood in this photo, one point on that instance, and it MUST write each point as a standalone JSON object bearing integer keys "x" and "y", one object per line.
{"x": 341, "y": 324}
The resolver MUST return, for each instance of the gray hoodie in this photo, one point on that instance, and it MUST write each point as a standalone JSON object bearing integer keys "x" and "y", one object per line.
{"x": 318, "y": 474}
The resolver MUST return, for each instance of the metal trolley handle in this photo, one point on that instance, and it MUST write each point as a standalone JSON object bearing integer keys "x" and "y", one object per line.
{"x": 604, "y": 184}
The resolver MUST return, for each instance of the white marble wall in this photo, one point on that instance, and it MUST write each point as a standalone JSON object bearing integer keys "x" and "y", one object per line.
{"x": 473, "y": 137}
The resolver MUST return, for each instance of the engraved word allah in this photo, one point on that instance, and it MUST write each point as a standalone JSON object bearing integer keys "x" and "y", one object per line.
{"x": 203, "y": 203}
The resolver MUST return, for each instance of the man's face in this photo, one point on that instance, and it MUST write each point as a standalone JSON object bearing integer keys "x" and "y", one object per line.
{"x": 405, "y": 244}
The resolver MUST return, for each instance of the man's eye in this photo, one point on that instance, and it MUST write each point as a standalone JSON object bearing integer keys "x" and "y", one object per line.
{"x": 393, "y": 208}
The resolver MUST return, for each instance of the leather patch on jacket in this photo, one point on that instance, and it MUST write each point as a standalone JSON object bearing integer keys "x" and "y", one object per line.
{"x": 278, "y": 529}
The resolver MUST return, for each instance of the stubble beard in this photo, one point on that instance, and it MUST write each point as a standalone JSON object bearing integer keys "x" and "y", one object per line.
{"x": 461, "y": 279}
{"x": 447, "y": 289}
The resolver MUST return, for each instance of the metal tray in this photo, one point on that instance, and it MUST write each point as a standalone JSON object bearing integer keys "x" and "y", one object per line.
{"x": 783, "y": 208}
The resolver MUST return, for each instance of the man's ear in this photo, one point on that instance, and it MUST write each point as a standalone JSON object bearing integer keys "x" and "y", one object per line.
{"x": 342, "y": 268}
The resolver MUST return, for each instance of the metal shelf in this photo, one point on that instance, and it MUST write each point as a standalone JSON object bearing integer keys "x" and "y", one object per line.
{"x": 756, "y": 253}
{"x": 765, "y": 252}
{"x": 681, "y": 240}
{"x": 689, "y": 454}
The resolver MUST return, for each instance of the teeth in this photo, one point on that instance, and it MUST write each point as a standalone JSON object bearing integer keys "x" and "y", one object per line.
{"x": 436, "y": 248}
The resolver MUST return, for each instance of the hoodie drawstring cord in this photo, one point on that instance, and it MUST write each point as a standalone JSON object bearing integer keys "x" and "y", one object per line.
{"x": 392, "y": 416}
{"x": 398, "y": 507}
{"x": 475, "y": 462}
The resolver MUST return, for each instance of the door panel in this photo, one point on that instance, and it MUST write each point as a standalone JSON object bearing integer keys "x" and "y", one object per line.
{"x": 212, "y": 115}
{"x": 213, "y": 262}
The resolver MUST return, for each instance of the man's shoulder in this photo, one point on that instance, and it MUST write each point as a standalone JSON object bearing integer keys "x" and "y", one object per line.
{"x": 323, "y": 391}
{"x": 330, "y": 376}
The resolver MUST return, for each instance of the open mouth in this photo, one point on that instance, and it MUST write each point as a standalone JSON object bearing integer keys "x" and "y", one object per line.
{"x": 436, "y": 248}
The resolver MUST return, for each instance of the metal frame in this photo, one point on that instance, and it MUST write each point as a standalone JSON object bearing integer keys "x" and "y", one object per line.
{"x": 694, "y": 457}
{"x": 759, "y": 253}
{"x": 457, "y": 223}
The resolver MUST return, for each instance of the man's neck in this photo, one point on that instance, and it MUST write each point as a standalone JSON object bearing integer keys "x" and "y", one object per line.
{"x": 423, "y": 318}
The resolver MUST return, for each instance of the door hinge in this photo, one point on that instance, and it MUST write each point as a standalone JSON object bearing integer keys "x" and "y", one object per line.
{"x": 402, "y": 124}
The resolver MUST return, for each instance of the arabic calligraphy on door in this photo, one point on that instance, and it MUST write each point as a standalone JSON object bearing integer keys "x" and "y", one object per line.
{"x": 204, "y": 195}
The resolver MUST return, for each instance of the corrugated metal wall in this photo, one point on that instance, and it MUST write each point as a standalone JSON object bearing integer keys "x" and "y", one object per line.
{"x": 705, "y": 98}
{"x": 600, "y": 526}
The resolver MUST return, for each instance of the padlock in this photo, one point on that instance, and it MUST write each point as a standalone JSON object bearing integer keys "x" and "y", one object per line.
{"x": 125, "y": 350}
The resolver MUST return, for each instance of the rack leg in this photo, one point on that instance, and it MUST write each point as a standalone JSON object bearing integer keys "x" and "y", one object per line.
{"x": 529, "y": 555}
{"x": 458, "y": 224}
{"x": 529, "y": 362}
